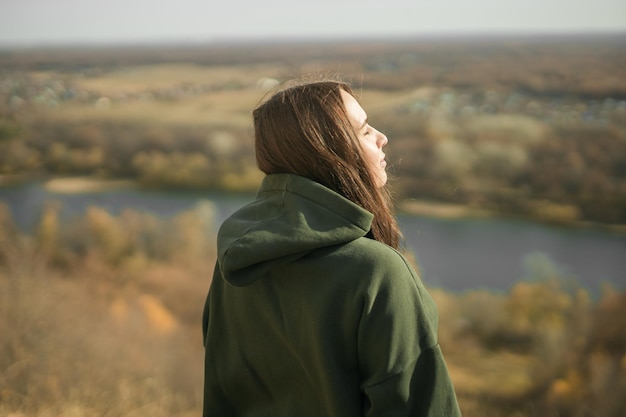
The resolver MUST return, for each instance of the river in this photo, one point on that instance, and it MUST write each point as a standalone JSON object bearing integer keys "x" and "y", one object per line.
{"x": 454, "y": 254}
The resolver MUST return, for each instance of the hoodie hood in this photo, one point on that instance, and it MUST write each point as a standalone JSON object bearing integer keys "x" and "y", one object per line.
{"x": 290, "y": 217}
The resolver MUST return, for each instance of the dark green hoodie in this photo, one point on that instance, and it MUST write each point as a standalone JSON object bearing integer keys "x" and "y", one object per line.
{"x": 308, "y": 317}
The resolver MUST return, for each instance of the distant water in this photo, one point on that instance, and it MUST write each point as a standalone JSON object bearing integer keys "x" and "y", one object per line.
{"x": 460, "y": 254}
{"x": 455, "y": 254}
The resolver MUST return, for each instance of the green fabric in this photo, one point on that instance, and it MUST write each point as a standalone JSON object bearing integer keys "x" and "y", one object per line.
{"x": 308, "y": 317}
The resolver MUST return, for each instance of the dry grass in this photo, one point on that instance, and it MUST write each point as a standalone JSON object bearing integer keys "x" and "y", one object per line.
{"x": 138, "y": 79}
{"x": 195, "y": 95}
{"x": 89, "y": 338}
{"x": 77, "y": 185}
{"x": 225, "y": 109}
{"x": 95, "y": 322}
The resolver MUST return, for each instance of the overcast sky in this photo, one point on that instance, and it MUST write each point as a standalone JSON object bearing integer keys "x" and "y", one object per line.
{"x": 130, "y": 21}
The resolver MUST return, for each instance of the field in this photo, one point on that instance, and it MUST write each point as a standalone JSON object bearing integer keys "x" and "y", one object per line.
{"x": 102, "y": 317}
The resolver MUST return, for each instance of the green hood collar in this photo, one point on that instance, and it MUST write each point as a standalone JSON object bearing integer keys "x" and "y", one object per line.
{"x": 290, "y": 217}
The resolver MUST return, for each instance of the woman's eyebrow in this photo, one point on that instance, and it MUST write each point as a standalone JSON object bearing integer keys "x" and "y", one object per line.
{"x": 364, "y": 124}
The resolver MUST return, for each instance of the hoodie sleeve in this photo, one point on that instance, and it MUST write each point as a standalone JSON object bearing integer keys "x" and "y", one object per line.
{"x": 403, "y": 372}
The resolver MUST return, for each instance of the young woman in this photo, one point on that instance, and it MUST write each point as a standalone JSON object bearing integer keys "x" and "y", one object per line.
{"x": 312, "y": 311}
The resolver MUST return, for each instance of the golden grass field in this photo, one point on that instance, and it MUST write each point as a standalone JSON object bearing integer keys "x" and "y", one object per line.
{"x": 224, "y": 108}
{"x": 113, "y": 328}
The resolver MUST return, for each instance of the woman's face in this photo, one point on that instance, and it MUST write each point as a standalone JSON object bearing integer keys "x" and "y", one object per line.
{"x": 372, "y": 141}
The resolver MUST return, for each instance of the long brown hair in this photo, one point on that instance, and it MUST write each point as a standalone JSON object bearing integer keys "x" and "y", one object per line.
{"x": 305, "y": 130}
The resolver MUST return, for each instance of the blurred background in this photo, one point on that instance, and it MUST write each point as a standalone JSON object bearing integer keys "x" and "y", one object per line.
{"x": 126, "y": 139}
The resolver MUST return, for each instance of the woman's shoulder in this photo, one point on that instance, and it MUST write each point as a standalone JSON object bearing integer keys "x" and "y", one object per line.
{"x": 374, "y": 253}
{"x": 380, "y": 272}
{"x": 365, "y": 270}
{"x": 374, "y": 263}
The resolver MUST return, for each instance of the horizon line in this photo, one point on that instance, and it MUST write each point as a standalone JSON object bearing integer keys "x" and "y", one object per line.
{"x": 289, "y": 39}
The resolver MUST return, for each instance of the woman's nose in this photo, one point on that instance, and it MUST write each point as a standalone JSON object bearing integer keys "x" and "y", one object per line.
{"x": 382, "y": 141}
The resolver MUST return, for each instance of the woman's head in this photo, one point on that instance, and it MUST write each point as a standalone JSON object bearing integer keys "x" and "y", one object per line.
{"x": 371, "y": 141}
{"x": 319, "y": 131}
